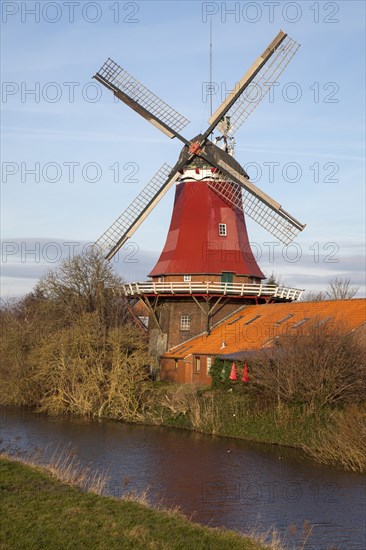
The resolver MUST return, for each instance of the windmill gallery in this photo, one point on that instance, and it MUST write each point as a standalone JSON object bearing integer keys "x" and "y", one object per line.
{"x": 206, "y": 282}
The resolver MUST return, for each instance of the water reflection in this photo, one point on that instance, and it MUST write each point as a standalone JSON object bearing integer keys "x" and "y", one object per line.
{"x": 216, "y": 481}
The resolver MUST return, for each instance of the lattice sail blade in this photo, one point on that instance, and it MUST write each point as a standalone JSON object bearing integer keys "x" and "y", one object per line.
{"x": 274, "y": 219}
{"x": 261, "y": 75}
{"x": 127, "y": 223}
{"x": 277, "y": 222}
{"x": 141, "y": 99}
{"x": 261, "y": 84}
{"x": 227, "y": 190}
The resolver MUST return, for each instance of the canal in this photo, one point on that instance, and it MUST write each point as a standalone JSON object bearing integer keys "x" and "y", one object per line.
{"x": 216, "y": 481}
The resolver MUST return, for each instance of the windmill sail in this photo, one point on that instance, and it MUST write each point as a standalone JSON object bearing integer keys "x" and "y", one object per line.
{"x": 235, "y": 185}
{"x": 255, "y": 202}
{"x": 261, "y": 84}
{"x": 141, "y": 99}
{"x": 127, "y": 223}
{"x": 257, "y": 82}
{"x": 267, "y": 213}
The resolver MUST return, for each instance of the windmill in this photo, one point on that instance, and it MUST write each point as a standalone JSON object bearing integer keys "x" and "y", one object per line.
{"x": 207, "y": 257}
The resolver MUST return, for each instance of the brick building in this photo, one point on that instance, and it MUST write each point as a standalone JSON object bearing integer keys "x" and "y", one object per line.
{"x": 255, "y": 327}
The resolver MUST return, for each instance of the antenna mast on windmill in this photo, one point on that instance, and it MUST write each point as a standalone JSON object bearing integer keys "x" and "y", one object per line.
{"x": 206, "y": 269}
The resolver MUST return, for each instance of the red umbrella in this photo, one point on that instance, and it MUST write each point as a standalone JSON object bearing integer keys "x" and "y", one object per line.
{"x": 245, "y": 377}
{"x": 233, "y": 371}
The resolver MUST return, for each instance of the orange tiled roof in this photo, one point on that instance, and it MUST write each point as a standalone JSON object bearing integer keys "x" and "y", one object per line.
{"x": 254, "y": 327}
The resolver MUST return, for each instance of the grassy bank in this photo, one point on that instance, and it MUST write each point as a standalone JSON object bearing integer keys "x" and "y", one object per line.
{"x": 239, "y": 414}
{"x": 39, "y": 511}
{"x": 332, "y": 435}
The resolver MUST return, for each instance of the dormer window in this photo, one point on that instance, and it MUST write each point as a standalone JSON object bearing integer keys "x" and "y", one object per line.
{"x": 222, "y": 229}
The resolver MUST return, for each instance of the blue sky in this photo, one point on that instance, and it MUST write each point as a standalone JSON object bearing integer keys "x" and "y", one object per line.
{"x": 68, "y": 122}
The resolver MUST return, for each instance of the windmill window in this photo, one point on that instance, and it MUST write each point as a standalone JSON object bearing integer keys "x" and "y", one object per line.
{"x": 208, "y": 365}
{"x": 197, "y": 361}
{"x": 297, "y": 325}
{"x": 185, "y": 322}
{"x": 222, "y": 229}
{"x": 284, "y": 319}
{"x": 252, "y": 320}
{"x": 187, "y": 278}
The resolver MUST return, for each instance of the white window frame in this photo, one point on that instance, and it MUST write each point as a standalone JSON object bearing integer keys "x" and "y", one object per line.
{"x": 208, "y": 365}
{"x": 187, "y": 278}
{"x": 222, "y": 230}
{"x": 185, "y": 322}
{"x": 197, "y": 364}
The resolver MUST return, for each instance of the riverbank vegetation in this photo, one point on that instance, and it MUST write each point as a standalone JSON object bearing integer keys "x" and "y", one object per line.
{"x": 71, "y": 347}
{"x": 39, "y": 511}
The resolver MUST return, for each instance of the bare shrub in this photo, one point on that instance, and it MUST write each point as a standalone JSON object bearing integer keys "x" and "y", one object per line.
{"x": 44, "y": 319}
{"x": 128, "y": 369}
{"x": 344, "y": 441}
{"x": 313, "y": 296}
{"x": 84, "y": 284}
{"x": 338, "y": 289}
{"x": 321, "y": 366}
{"x": 88, "y": 371}
{"x": 68, "y": 347}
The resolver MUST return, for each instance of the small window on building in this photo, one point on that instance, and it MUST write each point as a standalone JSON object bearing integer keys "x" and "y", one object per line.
{"x": 208, "y": 365}
{"x": 322, "y": 322}
{"x": 235, "y": 320}
{"x": 185, "y": 322}
{"x": 197, "y": 362}
{"x": 222, "y": 229}
{"x": 284, "y": 319}
{"x": 175, "y": 364}
{"x": 252, "y": 320}
{"x": 187, "y": 278}
{"x": 300, "y": 323}
{"x": 161, "y": 279}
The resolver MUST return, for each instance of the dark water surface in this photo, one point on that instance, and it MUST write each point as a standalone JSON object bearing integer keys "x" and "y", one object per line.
{"x": 253, "y": 485}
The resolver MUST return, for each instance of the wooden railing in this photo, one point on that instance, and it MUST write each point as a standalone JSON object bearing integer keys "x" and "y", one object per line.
{"x": 227, "y": 289}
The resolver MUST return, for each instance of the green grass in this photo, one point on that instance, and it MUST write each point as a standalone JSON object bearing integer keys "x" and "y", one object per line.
{"x": 243, "y": 414}
{"x": 40, "y": 512}
{"x": 247, "y": 417}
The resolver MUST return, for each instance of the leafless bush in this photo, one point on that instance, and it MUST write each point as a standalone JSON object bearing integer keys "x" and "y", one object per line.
{"x": 321, "y": 366}
{"x": 84, "y": 284}
{"x": 68, "y": 347}
{"x": 344, "y": 441}
{"x": 338, "y": 289}
{"x": 88, "y": 371}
